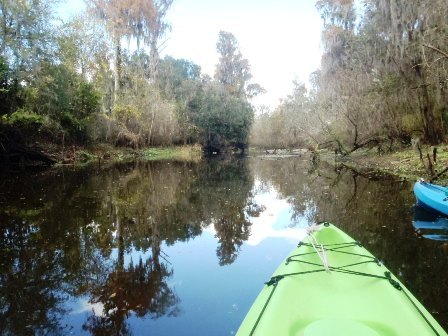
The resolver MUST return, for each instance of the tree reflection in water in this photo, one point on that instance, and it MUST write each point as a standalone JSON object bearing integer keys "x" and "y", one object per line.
{"x": 223, "y": 195}
{"x": 30, "y": 276}
{"x": 74, "y": 234}
{"x": 376, "y": 210}
{"x": 141, "y": 289}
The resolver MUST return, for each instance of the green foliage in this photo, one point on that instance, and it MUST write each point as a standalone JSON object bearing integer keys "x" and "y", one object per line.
{"x": 85, "y": 101}
{"x": 179, "y": 80}
{"x": 24, "y": 118}
{"x": 410, "y": 123}
{"x": 63, "y": 97}
{"x": 222, "y": 117}
{"x": 76, "y": 128}
{"x": 82, "y": 84}
{"x": 185, "y": 153}
{"x": 125, "y": 114}
{"x": 26, "y": 34}
{"x": 9, "y": 90}
{"x": 4, "y": 86}
{"x": 32, "y": 124}
{"x": 49, "y": 94}
{"x": 177, "y": 70}
{"x": 85, "y": 156}
{"x": 4, "y": 74}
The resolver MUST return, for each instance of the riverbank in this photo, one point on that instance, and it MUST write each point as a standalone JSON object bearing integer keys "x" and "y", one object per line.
{"x": 105, "y": 153}
{"x": 404, "y": 163}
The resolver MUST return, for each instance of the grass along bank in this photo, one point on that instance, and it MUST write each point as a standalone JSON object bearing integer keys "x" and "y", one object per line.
{"x": 405, "y": 163}
{"x": 181, "y": 153}
{"x": 104, "y": 153}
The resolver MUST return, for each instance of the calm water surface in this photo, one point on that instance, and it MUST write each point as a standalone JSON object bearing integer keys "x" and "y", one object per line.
{"x": 170, "y": 248}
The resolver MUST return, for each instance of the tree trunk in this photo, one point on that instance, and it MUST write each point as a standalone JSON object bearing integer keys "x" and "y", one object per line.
{"x": 154, "y": 60}
{"x": 117, "y": 73}
{"x": 4, "y": 31}
{"x": 120, "y": 233}
{"x": 432, "y": 127}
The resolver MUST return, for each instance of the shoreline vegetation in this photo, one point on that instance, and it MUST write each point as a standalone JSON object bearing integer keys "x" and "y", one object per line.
{"x": 379, "y": 98}
{"x": 57, "y": 156}
{"x": 106, "y": 153}
{"x": 405, "y": 163}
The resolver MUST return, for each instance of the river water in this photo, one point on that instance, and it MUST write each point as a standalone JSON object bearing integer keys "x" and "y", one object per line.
{"x": 175, "y": 248}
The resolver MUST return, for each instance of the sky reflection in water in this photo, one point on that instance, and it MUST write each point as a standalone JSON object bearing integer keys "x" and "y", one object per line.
{"x": 171, "y": 248}
{"x": 214, "y": 298}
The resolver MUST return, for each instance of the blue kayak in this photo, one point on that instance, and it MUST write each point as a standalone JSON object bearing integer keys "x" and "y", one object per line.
{"x": 432, "y": 196}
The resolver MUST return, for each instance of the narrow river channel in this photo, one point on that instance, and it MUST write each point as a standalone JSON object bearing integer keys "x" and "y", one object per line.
{"x": 175, "y": 248}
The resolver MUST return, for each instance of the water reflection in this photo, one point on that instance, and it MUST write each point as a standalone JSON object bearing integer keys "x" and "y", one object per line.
{"x": 222, "y": 194}
{"x": 155, "y": 246}
{"x": 71, "y": 236}
{"x": 141, "y": 289}
{"x": 375, "y": 211}
{"x": 430, "y": 224}
{"x": 274, "y": 216}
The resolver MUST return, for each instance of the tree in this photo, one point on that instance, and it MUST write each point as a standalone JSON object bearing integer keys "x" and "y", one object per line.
{"x": 386, "y": 79}
{"x": 179, "y": 80}
{"x": 143, "y": 114}
{"x": 221, "y": 109}
{"x": 410, "y": 29}
{"x": 173, "y": 75}
{"x": 64, "y": 98}
{"x": 224, "y": 119}
{"x": 158, "y": 28}
{"x": 232, "y": 70}
{"x": 8, "y": 89}
{"x": 25, "y": 35}
{"x": 290, "y": 125}
{"x": 124, "y": 18}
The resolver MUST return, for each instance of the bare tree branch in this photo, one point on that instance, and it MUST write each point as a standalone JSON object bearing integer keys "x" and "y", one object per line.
{"x": 444, "y": 53}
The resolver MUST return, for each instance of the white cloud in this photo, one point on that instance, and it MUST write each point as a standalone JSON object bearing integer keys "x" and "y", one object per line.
{"x": 274, "y": 220}
{"x": 85, "y": 306}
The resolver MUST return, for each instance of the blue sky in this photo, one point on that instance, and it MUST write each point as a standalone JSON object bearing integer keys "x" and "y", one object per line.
{"x": 280, "y": 38}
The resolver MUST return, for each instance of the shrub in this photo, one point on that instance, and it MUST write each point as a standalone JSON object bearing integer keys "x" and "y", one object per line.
{"x": 24, "y": 118}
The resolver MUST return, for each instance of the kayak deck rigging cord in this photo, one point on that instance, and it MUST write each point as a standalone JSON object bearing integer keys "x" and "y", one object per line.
{"x": 321, "y": 250}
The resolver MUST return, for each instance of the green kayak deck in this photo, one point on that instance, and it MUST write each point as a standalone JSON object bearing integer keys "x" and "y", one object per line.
{"x": 331, "y": 285}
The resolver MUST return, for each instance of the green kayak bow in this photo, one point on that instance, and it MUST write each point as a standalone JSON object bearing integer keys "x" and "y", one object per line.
{"x": 331, "y": 285}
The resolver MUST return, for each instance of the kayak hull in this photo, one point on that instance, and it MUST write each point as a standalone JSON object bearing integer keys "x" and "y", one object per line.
{"x": 431, "y": 196}
{"x": 357, "y": 296}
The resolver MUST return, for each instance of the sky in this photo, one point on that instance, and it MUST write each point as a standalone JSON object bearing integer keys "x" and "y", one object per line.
{"x": 280, "y": 38}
